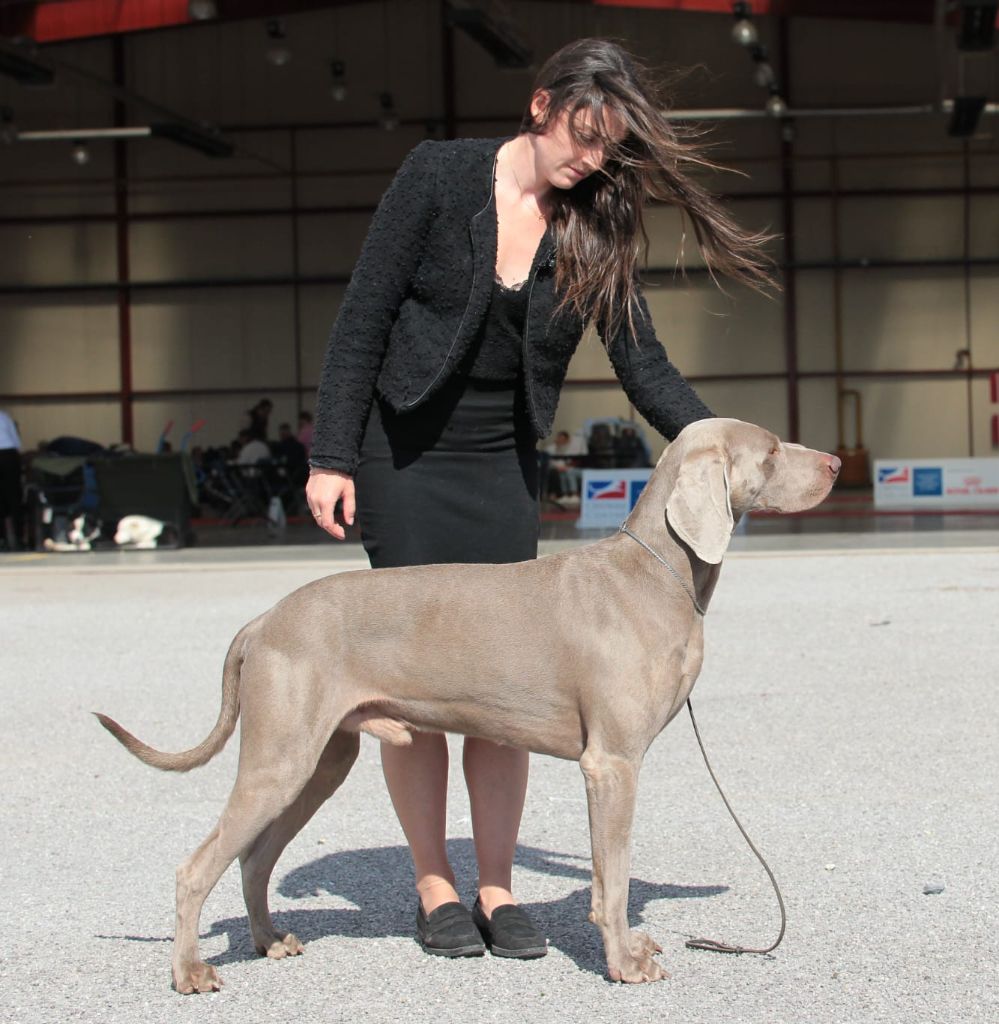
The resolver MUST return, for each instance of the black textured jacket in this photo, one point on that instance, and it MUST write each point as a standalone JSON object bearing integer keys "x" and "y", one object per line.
{"x": 418, "y": 295}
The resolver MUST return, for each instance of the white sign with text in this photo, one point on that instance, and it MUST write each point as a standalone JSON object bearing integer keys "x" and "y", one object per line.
{"x": 936, "y": 483}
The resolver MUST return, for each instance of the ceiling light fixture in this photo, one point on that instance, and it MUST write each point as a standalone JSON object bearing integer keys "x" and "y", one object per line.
{"x": 338, "y": 73}
{"x": 776, "y": 107}
{"x": 389, "y": 119}
{"x": 277, "y": 52}
{"x": 202, "y": 10}
{"x": 743, "y": 31}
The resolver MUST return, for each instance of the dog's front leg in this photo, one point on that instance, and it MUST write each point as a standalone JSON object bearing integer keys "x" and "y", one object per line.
{"x": 611, "y": 782}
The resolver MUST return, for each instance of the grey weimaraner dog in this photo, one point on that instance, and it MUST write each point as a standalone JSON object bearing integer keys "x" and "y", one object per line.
{"x": 583, "y": 655}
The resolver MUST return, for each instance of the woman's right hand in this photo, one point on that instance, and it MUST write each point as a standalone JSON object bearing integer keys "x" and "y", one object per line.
{"x": 323, "y": 490}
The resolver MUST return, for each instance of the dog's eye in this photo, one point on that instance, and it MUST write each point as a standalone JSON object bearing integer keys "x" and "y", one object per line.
{"x": 775, "y": 450}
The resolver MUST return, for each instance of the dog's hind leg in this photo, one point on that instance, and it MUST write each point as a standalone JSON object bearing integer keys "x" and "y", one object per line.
{"x": 258, "y": 861}
{"x": 259, "y": 797}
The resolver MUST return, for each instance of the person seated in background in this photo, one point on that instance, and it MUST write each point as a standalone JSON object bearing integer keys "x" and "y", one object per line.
{"x": 601, "y": 447}
{"x": 290, "y": 450}
{"x": 565, "y": 454}
{"x": 293, "y": 467}
{"x": 251, "y": 449}
{"x": 256, "y": 419}
{"x": 306, "y": 429}
{"x": 630, "y": 451}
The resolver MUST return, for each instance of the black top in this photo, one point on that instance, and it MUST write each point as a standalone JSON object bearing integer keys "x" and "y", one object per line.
{"x": 498, "y": 352}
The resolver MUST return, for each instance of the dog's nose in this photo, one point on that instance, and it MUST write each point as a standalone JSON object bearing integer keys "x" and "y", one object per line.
{"x": 834, "y": 465}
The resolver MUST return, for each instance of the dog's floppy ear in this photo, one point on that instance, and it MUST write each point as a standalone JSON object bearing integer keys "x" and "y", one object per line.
{"x": 700, "y": 508}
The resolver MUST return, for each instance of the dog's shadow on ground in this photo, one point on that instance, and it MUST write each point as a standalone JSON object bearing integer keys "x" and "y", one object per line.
{"x": 379, "y": 883}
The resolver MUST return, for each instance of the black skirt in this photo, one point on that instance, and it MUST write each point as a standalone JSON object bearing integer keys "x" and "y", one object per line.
{"x": 455, "y": 480}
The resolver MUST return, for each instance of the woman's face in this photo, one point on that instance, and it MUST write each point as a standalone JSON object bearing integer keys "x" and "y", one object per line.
{"x": 561, "y": 159}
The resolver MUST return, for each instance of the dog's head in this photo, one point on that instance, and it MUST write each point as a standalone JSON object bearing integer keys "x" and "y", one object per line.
{"x": 83, "y": 530}
{"x": 140, "y": 531}
{"x": 726, "y": 468}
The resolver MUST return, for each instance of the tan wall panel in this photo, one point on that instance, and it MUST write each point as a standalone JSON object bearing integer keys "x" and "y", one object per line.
{"x": 45, "y": 254}
{"x": 985, "y": 317}
{"x": 817, "y": 415}
{"x": 330, "y": 244}
{"x": 58, "y": 343}
{"x": 206, "y": 338}
{"x": 812, "y": 174}
{"x": 371, "y": 152}
{"x": 763, "y": 402}
{"x": 230, "y": 247}
{"x": 815, "y": 327}
{"x": 708, "y": 332}
{"x": 901, "y": 418}
{"x": 906, "y": 135}
{"x": 319, "y": 305}
{"x": 902, "y": 319}
{"x": 228, "y": 193}
{"x": 985, "y": 167}
{"x": 703, "y": 331}
{"x": 905, "y": 170}
{"x": 901, "y": 228}
{"x": 913, "y": 418}
{"x": 666, "y": 230}
{"x": 840, "y": 62}
{"x": 42, "y": 421}
{"x": 89, "y": 194}
{"x": 984, "y": 220}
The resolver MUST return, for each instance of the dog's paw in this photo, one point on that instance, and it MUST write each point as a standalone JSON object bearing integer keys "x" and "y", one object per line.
{"x": 196, "y": 977}
{"x": 638, "y": 966}
{"x": 281, "y": 946}
{"x": 643, "y": 946}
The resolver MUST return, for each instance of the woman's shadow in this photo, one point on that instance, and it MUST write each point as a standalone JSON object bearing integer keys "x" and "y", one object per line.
{"x": 379, "y": 882}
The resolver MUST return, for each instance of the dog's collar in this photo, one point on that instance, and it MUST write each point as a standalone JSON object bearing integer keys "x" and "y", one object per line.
{"x": 655, "y": 554}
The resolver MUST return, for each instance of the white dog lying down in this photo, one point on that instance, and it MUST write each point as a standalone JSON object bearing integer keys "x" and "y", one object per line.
{"x": 144, "y": 533}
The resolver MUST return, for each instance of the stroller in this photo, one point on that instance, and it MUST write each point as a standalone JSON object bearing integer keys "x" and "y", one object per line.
{"x": 244, "y": 493}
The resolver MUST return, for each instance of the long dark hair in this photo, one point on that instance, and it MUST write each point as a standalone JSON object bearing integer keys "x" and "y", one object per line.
{"x": 599, "y": 224}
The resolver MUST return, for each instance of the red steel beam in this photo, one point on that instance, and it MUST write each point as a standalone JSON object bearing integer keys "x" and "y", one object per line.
{"x": 872, "y": 10}
{"x": 78, "y": 19}
{"x": 60, "y": 20}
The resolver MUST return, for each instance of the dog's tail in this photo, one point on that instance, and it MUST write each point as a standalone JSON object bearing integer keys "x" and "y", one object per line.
{"x": 212, "y": 743}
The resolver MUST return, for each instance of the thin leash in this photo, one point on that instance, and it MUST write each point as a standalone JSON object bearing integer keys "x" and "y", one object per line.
{"x": 711, "y": 944}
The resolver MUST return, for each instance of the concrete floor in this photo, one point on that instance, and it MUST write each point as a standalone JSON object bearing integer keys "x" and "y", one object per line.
{"x": 848, "y": 700}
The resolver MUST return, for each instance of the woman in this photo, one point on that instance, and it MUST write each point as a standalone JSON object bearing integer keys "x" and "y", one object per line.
{"x": 484, "y": 262}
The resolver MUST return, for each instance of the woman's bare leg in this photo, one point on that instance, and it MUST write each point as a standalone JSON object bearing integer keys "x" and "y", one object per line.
{"x": 416, "y": 777}
{"x": 496, "y": 777}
